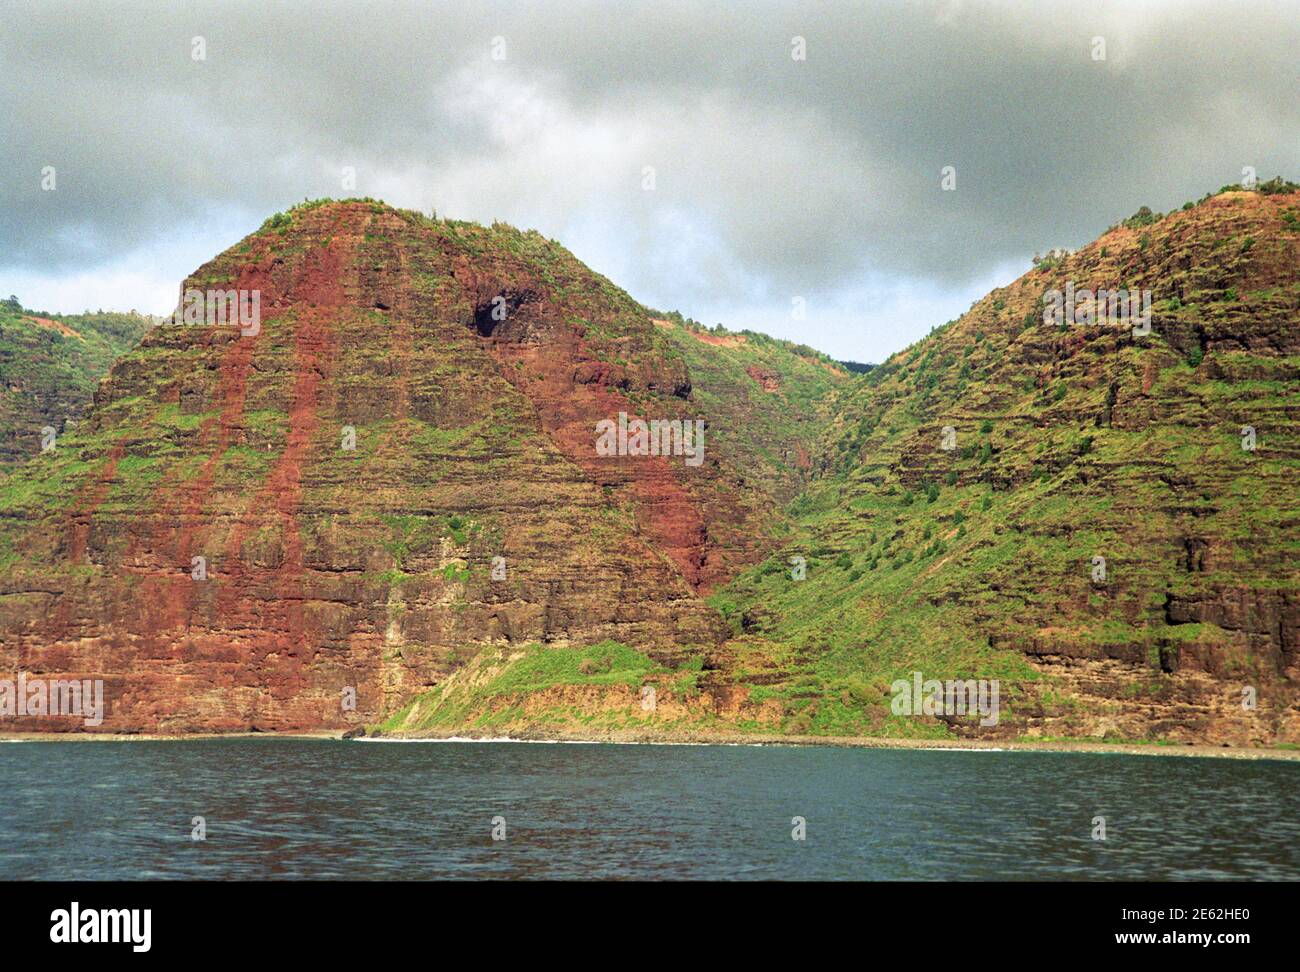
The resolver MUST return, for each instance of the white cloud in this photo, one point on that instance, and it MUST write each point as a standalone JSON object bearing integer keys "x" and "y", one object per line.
{"x": 773, "y": 177}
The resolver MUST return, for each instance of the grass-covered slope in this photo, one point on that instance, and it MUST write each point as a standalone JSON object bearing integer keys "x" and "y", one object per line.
{"x": 1071, "y": 443}
{"x": 50, "y": 366}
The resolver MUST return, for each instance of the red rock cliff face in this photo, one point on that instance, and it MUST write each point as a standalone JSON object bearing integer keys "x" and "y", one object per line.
{"x": 336, "y": 570}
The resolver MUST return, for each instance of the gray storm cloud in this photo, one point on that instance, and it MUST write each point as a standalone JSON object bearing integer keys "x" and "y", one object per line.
{"x": 772, "y": 176}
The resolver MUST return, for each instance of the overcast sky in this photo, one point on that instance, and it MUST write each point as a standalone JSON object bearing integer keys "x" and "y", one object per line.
{"x": 774, "y": 178}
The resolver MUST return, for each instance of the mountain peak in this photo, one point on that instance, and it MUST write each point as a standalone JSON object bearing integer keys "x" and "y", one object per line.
{"x": 395, "y": 469}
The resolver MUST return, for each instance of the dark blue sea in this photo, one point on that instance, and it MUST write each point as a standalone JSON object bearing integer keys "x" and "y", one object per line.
{"x": 294, "y": 809}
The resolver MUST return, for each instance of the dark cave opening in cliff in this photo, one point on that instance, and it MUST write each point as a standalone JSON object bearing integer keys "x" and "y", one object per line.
{"x": 484, "y": 320}
{"x": 490, "y": 314}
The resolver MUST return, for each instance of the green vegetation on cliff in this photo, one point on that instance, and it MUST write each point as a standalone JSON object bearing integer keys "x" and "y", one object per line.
{"x": 767, "y": 399}
{"x": 50, "y": 366}
{"x": 1067, "y": 443}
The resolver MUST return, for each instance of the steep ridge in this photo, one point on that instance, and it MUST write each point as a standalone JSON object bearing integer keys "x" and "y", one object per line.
{"x": 311, "y": 522}
{"x": 49, "y": 367}
{"x": 769, "y": 397}
{"x": 1102, "y": 534}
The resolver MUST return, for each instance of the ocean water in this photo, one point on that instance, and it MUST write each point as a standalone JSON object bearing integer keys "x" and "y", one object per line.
{"x": 316, "y": 809}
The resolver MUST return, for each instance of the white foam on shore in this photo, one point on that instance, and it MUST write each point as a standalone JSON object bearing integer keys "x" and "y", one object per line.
{"x": 567, "y": 742}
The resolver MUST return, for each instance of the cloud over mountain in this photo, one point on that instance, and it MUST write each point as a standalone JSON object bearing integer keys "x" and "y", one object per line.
{"x": 773, "y": 177}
